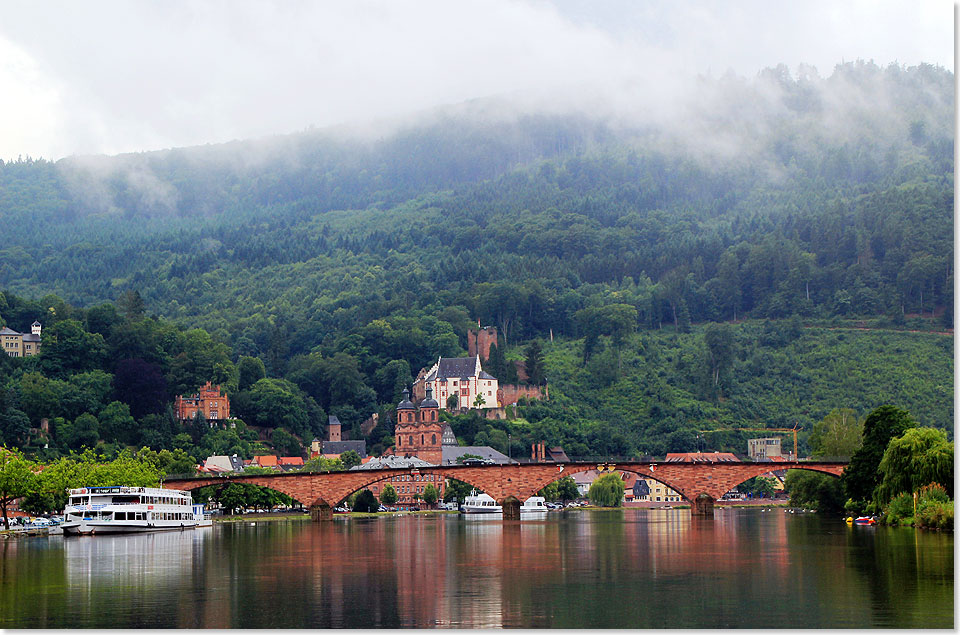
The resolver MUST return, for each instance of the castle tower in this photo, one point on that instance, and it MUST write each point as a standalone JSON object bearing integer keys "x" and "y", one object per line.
{"x": 406, "y": 422}
{"x": 479, "y": 341}
{"x": 429, "y": 408}
{"x": 333, "y": 428}
{"x": 431, "y": 430}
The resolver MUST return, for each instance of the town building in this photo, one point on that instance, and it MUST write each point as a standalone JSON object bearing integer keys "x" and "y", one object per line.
{"x": 764, "y": 448}
{"x": 540, "y": 453}
{"x": 221, "y": 464}
{"x": 276, "y": 463}
{"x": 335, "y": 445}
{"x": 461, "y": 377}
{"x": 420, "y": 433}
{"x": 17, "y": 344}
{"x": 409, "y": 487}
{"x": 212, "y": 404}
{"x": 640, "y": 489}
{"x": 290, "y": 463}
{"x": 637, "y": 489}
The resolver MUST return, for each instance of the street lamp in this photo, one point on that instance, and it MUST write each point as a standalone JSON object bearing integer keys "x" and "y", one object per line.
{"x": 509, "y": 446}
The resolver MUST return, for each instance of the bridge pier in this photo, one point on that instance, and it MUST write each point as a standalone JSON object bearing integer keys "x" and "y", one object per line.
{"x": 321, "y": 512}
{"x": 511, "y": 508}
{"x": 702, "y": 505}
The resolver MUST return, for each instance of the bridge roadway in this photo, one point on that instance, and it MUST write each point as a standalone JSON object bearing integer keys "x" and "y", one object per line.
{"x": 701, "y": 484}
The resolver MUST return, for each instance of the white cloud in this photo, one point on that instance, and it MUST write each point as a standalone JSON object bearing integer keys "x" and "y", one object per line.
{"x": 118, "y": 76}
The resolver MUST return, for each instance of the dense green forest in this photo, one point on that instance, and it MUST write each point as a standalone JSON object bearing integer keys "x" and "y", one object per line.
{"x": 324, "y": 270}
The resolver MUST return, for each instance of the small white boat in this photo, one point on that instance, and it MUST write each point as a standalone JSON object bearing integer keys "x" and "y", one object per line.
{"x": 118, "y": 509}
{"x": 480, "y": 504}
{"x": 534, "y": 505}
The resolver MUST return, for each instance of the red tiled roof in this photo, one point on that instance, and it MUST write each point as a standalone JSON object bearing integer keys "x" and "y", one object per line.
{"x": 291, "y": 460}
{"x": 268, "y": 460}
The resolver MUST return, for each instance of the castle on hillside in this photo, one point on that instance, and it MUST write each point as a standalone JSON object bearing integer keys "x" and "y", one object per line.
{"x": 210, "y": 402}
{"x": 462, "y": 377}
{"x": 21, "y": 344}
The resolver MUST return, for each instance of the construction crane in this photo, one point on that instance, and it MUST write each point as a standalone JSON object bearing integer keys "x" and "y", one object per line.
{"x": 793, "y": 430}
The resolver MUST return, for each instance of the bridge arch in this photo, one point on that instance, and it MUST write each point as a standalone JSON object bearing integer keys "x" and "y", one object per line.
{"x": 638, "y": 471}
{"x": 819, "y": 469}
{"x": 220, "y": 484}
{"x": 376, "y": 476}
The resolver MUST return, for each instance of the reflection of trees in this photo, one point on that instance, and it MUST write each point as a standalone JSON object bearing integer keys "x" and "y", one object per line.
{"x": 906, "y": 574}
{"x": 636, "y": 568}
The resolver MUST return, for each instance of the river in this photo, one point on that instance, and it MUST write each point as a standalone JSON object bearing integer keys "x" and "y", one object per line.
{"x": 628, "y": 568}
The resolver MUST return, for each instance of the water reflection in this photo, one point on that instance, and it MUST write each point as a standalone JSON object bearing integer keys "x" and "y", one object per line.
{"x": 624, "y": 569}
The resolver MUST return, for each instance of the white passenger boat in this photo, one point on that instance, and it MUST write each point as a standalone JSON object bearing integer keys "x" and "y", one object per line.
{"x": 484, "y": 504}
{"x": 111, "y": 510}
{"x": 480, "y": 504}
{"x": 534, "y": 505}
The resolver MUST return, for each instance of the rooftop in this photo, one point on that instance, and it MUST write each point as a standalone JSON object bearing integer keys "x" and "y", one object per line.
{"x": 392, "y": 462}
{"x": 452, "y": 452}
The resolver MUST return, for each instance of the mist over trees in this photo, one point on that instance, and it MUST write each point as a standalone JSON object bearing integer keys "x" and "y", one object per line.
{"x": 315, "y": 274}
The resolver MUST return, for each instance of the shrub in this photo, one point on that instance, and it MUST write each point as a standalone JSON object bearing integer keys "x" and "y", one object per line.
{"x": 935, "y": 515}
{"x": 900, "y": 511}
{"x": 366, "y": 502}
{"x": 934, "y": 492}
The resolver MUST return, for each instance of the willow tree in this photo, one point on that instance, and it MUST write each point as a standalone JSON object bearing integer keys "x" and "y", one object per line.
{"x": 607, "y": 491}
{"x": 918, "y": 458}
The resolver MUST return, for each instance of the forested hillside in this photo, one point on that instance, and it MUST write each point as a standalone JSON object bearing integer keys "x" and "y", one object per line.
{"x": 804, "y": 200}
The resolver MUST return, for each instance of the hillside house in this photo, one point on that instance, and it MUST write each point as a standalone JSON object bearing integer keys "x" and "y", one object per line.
{"x": 21, "y": 344}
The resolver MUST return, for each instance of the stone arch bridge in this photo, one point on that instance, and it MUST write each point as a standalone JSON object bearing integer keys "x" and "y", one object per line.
{"x": 701, "y": 484}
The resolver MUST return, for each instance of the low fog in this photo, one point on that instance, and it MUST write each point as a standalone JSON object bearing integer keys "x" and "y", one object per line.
{"x": 116, "y": 77}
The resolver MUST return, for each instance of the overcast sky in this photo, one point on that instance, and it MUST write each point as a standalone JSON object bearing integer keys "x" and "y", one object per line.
{"x": 131, "y": 75}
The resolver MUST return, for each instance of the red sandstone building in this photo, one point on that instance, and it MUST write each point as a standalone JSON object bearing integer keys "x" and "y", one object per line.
{"x": 210, "y": 402}
{"x": 419, "y": 432}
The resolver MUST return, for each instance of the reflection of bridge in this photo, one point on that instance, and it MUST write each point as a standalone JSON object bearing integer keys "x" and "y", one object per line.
{"x": 699, "y": 483}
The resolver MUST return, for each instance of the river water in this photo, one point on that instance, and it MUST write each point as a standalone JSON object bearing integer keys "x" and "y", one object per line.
{"x": 628, "y": 568}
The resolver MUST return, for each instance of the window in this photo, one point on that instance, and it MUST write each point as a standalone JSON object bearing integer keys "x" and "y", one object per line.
{"x": 410, "y": 440}
{"x": 433, "y": 439}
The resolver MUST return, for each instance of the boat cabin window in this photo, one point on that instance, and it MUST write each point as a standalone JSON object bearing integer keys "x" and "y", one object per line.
{"x": 126, "y": 500}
